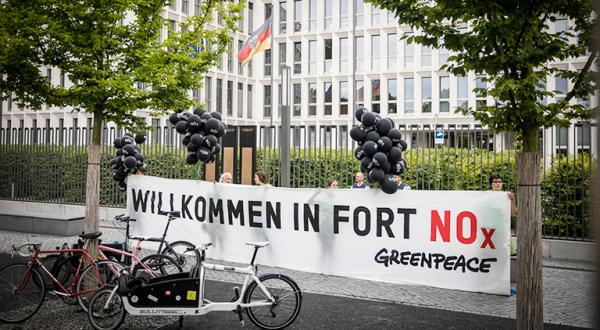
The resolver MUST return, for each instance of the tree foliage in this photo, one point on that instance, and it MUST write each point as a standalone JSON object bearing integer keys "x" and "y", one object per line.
{"x": 108, "y": 49}
{"x": 515, "y": 46}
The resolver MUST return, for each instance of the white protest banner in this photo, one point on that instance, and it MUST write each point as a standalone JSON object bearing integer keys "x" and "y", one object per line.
{"x": 449, "y": 239}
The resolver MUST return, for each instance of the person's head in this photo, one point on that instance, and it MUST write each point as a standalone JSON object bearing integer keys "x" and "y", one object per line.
{"x": 260, "y": 178}
{"x": 332, "y": 184}
{"x": 398, "y": 178}
{"x": 359, "y": 177}
{"x": 495, "y": 182}
{"x": 142, "y": 170}
{"x": 226, "y": 177}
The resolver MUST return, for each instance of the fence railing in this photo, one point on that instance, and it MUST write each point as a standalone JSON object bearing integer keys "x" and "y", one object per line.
{"x": 49, "y": 164}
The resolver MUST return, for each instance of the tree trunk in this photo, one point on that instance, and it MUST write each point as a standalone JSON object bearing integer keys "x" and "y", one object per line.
{"x": 529, "y": 246}
{"x": 92, "y": 187}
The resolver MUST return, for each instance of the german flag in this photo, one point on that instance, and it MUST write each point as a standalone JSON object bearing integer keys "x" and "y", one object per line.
{"x": 259, "y": 40}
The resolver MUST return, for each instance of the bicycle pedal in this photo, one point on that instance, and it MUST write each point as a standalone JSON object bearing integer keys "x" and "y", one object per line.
{"x": 236, "y": 294}
{"x": 242, "y": 323}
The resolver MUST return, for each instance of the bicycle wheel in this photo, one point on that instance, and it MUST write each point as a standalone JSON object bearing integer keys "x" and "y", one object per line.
{"x": 184, "y": 253}
{"x": 64, "y": 272}
{"x": 106, "y": 310}
{"x": 49, "y": 262}
{"x": 285, "y": 309}
{"x": 158, "y": 264}
{"x": 108, "y": 271}
{"x": 20, "y": 297}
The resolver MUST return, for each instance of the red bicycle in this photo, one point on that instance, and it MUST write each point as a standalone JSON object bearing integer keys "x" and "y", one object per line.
{"x": 23, "y": 289}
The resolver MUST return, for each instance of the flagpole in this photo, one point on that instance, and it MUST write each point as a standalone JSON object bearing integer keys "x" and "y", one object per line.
{"x": 272, "y": 72}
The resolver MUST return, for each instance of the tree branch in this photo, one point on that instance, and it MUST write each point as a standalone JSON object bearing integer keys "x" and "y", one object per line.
{"x": 579, "y": 80}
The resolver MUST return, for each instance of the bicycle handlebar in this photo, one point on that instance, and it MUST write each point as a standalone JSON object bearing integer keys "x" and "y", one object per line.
{"x": 123, "y": 218}
{"x": 26, "y": 250}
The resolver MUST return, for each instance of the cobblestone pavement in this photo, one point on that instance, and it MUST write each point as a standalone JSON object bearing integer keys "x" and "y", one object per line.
{"x": 567, "y": 291}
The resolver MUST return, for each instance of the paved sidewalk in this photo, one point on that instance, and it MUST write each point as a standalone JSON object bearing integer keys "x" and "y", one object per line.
{"x": 567, "y": 290}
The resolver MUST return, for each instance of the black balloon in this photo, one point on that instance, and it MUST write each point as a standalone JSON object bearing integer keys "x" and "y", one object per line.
{"x": 197, "y": 139}
{"x": 379, "y": 158}
{"x": 117, "y": 143}
{"x": 122, "y": 185}
{"x": 191, "y": 158}
{"x": 370, "y": 148}
{"x": 364, "y": 163}
{"x": 211, "y": 141}
{"x": 195, "y": 124}
{"x": 119, "y": 152}
{"x": 203, "y": 154}
{"x": 181, "y": 127}
{"x": 368, "y": 119}
{"x": 403, "y": 144}
{"x": 215, "y": 149}
{"x": 198, "y": 112}
{"x": 359, "y": 153}
{"x": 140, "y": 138}
{"x": 186, "y": 139}
{"x": 383, "y": 126}
{"x": 387, "y": 166}
{"x": 174, "y": 118}
{"x": 140, "y": 159}
{"x": 216, "y": 115}
{"x": 359, "y": 112}
{"x": 125, "y": 140}
{"x": 395, "y": 154}
{"x": 212, "y": 126}
{"x": 129, "y": 150}
{"x": 130, "y": 162}
{"x": 376, "y": 175}
{"x": 357, "y": 134}
{"x": 192, "y": 147}
{"x": 220, "y": 130}
{"x": 384, "y": 144}
{"x": 388, "y": 184}
{"x": 395, "y": 135}
{"x": 372, "y": 136}
{"x": 366, "y": 129}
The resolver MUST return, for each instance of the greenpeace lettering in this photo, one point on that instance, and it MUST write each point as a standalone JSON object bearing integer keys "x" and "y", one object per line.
{"x": 449, "y": 239}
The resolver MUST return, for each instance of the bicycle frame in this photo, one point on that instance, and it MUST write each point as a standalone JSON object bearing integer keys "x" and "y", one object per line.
{"x": 68, "y": 292}
{"x": 206, "y": 306}
{"x": 135, "y": 258}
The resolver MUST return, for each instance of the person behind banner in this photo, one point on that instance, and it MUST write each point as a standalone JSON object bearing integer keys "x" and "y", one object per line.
{"x": 401, "y": 185}
{"x": 359, "y": 181}
{"x": 496, "y": 184}
{"x": 332, "y": 184}
{"x": 260, "y": 179}
{"x": 141, "y": 170}
{"x": 226, "y": 177}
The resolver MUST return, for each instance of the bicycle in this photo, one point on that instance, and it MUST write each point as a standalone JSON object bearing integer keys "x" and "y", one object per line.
{"x": 177, "y": 250}
{"x": 276, "y": 297}
{"x": 23, "y": 289}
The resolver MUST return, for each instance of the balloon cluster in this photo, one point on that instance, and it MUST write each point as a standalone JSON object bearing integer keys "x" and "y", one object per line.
{"x": 128, "y": 159}
{"x": 201, "y": 132}
{"x": 379, "y": 150}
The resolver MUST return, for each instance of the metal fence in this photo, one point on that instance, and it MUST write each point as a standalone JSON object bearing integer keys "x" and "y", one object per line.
{"x": 49, "y": 164}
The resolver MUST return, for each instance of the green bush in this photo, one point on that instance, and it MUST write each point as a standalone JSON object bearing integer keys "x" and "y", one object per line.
{"x": 566, "y": 196}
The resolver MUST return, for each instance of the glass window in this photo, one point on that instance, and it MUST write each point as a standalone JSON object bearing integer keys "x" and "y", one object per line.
{"x": 207, "y": 93}
{"x": 328, "y": 14}
{"x": 49, "y": 75}
{"x": 240, "y": 98}
{"x": 312, "y": 136}
{"x": 184, "y": 6}
{"x": 343, "y": 97}
{"x": 240, "y": 66}
{"x": 360, "y": 12}
{"x": 249, "y": 102}
{"x": 374, "y": 15}
{"x": 250, "y": 17}
{"x": 282, "y": 56}
{"x": 268, "y": 12}
{"x": 297, "y": 15}
{"x": 444, "y": 94}
{"x": 344, "y": 54}
{"x": 297, "y": 57}
{"x": 220, "y": 95}
{"x": 560, "y": 26}
{"x": 444, "y": 53}
{"x": 267, "y": 62}
{"x": 409, "y": 95}
{"x": 462, "y": 94}
{"x": 480, "y": 96}
{"x": 562, "y": 139}
{"x": 360, "y": 93}
{"x": 328, "y": 98}
{"x": 328, "y": 55}
{"x": 392, "y": 51}
{"x": 196, "y": 7}
{"x": 375, "y": 52}
{"x": 409, "y": 55}
{"x": 297, "y": 104}
{"x": 230, "y": 57}
{"x": 283, "y": 17}
{"x": 391, "y": 18}
{"x": 312, "y": 17}
{"x": 561, "y": 84}
{"x": 230, "y": 98}
{"x": 312, "y": 56}
{"x": 541, "y": 87}
{"x": 312, "y": 99}
{"x": 343, "y": 137}
{"x": 360, "y": 62}
{"x": 267, "y": 100}
{"x": 583, "y": 135}
{"x": 392, "y": 96}
{"x": 425, "y": 56}
{"x": 426, "y": 94}
{"x": 376, "y": 96}
{"x": 62, "y": 79}
{"x": 343, "y": 15}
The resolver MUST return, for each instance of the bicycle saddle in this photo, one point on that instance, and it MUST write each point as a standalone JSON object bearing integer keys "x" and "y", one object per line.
{"x": 257, "y": 244}
{"x": 90, "y": 235}
{"x": 145, "y": 238}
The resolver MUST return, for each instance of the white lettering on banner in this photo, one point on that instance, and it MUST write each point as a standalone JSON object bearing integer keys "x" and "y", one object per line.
{"x": 449, "y": 239}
